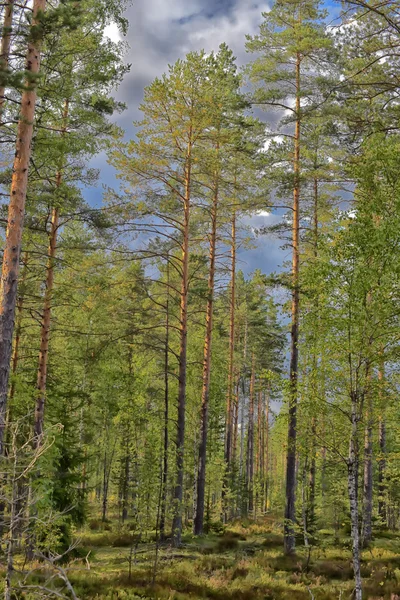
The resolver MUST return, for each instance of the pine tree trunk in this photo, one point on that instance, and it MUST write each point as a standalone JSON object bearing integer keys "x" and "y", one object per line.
{"x": 290, "y": 514}
{"x": 259, "y": 453}
{"x": 166, "y": 415}
{"x": 229, "y": 397}
{"x": 18, "y": 328}
{"x": 180, "y": 438}
{"x": 201, "y": 475}
{"x": 382, "y": 451}
{"x": 352, "y": 467}
{"x": 46, "y": 316}
{"x": 266, "y": 452}
{"x": 5, "y": 51}
{"x": 45, "y": 329}
{"x": 16, "y": 210}
{"x": 250, "y": 441}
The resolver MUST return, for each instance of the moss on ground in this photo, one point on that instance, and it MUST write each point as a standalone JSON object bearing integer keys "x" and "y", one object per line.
{"x": 245, "y": 562}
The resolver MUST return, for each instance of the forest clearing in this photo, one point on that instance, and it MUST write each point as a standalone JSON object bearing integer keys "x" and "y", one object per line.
{"x": 199, "y": 299}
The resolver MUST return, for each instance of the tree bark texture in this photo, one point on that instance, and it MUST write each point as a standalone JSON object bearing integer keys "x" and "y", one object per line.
{"x": 16, "y": 211}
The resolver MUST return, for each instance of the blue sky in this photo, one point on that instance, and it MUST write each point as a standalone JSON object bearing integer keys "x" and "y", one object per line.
{"x": 160, "y": 32}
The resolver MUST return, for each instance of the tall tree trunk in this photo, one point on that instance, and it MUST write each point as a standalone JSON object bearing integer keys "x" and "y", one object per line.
{"x": 16, "y": 210}
{"x": 180, "y": 438}
{"x": 266, "y": 451}
{"x": 205, "y": 396}
{"x": 259, "y": 453}
{"x": 382, "y": 450}
{"x": 166, "y": 415}
{"x": 41, "y": 384}
{"x": 352, "y": 468}
{"x": 18, "y": 328}
{"x": 312, "y": 477}
{"x": 250, "y": 441}
{"x": 368, "y": 482}
{"x": 5, "y": 51}
{"x": 45, "y": 328}
{"x": 229, "y": 396}
{"x": 290, "y": 514}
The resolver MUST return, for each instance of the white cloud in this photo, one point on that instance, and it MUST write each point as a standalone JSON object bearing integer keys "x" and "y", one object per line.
{"x": 112, "y": 32}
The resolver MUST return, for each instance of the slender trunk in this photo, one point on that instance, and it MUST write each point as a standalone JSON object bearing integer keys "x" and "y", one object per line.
{"x": 105, "y": 489}
{"x": 125, "y": 483}
{"x": 13, "y": 525}
{"x": 235, "y": 420}
{"x": 45, "y": 331}
{"x": 14, "y": 362}
{"x": 18, "y": 328}
{"x": 382, "y": 451}
{"x": 290, "y": 514}
{"x": 5, "y": 51}
{"x": 180, "y": 438}
{"x": 312, "y": 477}
{"x": 266, "y": 451}
{"x": 16, "y": 210}
{"x": 46, "y": 316}
{"x": 250, "y": 441}
{"x": 259, "y": 452}
{"x": 352, "y": 468}
{"x": 166, "y": 415}
{"x": 107, "y": 465}
{"x": 201, "y": 475}
{"x": 229, "y": 397}
{"x": 305, "y": 503}
{"x": 368, "y": 482}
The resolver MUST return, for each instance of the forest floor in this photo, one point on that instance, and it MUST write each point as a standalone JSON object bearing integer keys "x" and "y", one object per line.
{"x": 244, "y": 562}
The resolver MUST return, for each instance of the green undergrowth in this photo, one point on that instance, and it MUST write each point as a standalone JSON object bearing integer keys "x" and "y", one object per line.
{"x": 245, "y": 562}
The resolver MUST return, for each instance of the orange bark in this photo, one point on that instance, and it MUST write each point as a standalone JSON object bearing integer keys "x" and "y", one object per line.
{"x": 41, "y": 383}
{"x": 16, "y": 210}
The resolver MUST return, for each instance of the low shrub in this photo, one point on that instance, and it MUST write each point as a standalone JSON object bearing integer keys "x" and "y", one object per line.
{"x": 274, "y": 540}
{"x": 227, "y": 543}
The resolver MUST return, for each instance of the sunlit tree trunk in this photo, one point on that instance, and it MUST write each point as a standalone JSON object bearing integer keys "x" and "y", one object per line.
{"x": 290, "y": 509}
{"x": 201, "y": 475}
{"x": 166, "y": 415}
{"x": 16, "y": 210}
{"x": 18, "y": 328}
{"x": 230, "y": 393}
{"x": 180, "y": 438}
{"x": 230, "y": 396}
